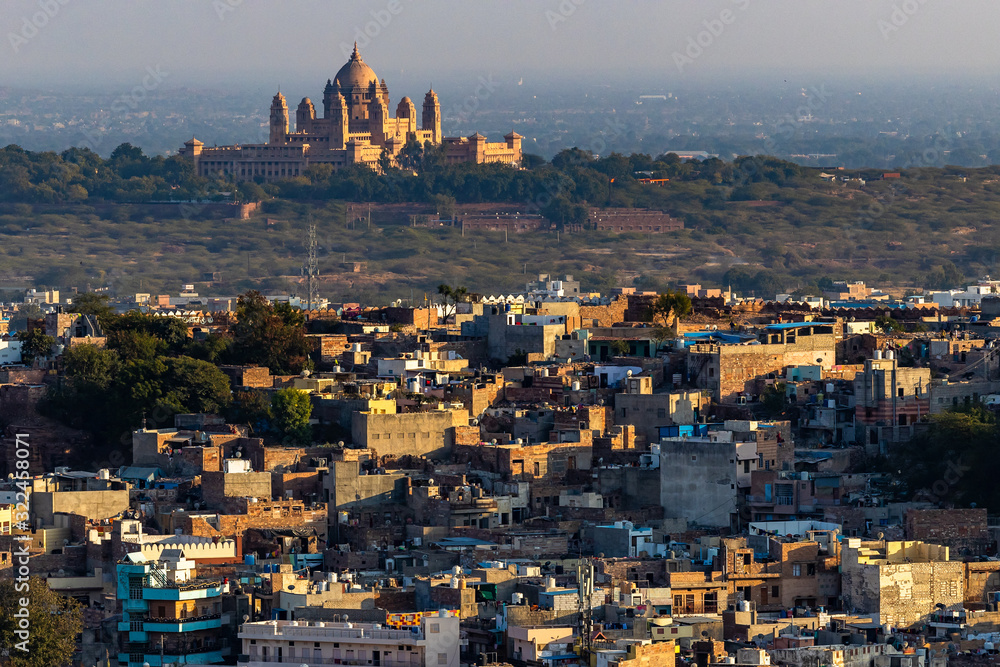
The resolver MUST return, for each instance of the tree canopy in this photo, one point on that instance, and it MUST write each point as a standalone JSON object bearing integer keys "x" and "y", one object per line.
{"x": 53, "y": 622}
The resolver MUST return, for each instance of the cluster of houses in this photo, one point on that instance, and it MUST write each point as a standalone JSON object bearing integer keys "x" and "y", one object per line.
{"x": 542, "y": 479}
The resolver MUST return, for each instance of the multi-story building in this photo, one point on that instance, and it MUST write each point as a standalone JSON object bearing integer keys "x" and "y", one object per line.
{"x": 902, "y": 582}
{"x": 434, "y": 640}
{"x": 889, "y": 400}
{"x": 734, "y": 372}
{"x": 168, "y": 616}
{"x": 355, "y": 128}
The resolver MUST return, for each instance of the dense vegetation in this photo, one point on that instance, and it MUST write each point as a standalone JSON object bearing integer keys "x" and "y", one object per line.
{"x": 759, "y": 224}
{"x": 953, "y": 462}
{"x": 150, "y": 370}
{"x": 54, "y": 623}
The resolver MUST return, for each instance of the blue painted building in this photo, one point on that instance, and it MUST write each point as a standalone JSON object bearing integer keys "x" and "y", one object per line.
{"x": 167, "y": 612}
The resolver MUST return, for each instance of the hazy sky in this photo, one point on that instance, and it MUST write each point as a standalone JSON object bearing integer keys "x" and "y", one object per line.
{"x": 101, "y": 42}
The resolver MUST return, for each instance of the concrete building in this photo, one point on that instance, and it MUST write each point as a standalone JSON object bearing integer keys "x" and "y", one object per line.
{"x": 639, "y": 406}
{"x": 541, "y": 645}
{"x": 434, "y": 642}
{"x": 355, "y": 127}
{"x": 10, "y": 352}
{"x": 623, "y": 540}
{"x": 731, "y": 372}
{"x": 164, "y": 608}
{"x": 698, "y": 479}
{"x": 889, "y": 400}
{"x": 408, "y": 433}
{"x": 902, "y": 582}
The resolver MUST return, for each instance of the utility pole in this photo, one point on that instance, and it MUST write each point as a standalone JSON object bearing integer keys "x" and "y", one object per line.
{"x": 585, "y": 591}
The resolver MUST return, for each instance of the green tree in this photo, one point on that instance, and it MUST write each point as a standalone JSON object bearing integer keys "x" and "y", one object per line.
{"x": 954, "y": 462}
{"x": 291, "y": 410}
{"x": 91, "y": 365}
{"x": 251, "y": 406}
{"x": 266, "y": 336}
{"x": 90, "y": 303}
{"x": 455, "y": 294}
{"x": 134, "y": 345}
{"x": 54, "y": 622}
{"x": 197, "y": 386}
{"x": 774, "y": 400}
{"x": 35, "y": 344}
{"x": 888, "y": 324}
{"x": 620, "y": 347}
{"x": 669, "y": 305}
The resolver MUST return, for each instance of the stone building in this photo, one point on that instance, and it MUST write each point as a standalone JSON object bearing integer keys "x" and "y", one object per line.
{"x": 902, "y": 582}
{"x": 889, "y": 400}
{"x": 731, "y": 372}
{"x": 355, "y": 127}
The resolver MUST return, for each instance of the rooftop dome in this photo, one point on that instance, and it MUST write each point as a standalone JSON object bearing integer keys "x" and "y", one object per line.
{"x": 355, "y": 74}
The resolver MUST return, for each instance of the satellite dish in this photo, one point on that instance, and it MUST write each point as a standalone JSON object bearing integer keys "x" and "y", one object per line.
{"x": 239, "y": 455}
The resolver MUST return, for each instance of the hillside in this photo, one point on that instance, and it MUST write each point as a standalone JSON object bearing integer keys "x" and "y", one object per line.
{"x": 758, "y": 223}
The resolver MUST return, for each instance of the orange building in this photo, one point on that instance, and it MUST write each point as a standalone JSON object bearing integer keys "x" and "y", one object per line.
{"x": 355, "y": 127}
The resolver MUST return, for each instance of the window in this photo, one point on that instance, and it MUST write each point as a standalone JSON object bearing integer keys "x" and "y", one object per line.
{"x": 435, "y": 628}
{"x": 775, "y": 592}
{"x": 900, "y": 392}
{"x": 661, "y": 413}
{"x": 796, "y": 570}
{"x": 442, "y": 658}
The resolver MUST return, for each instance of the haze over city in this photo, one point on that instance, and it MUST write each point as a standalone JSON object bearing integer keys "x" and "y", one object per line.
{"x": 259, "y": 42}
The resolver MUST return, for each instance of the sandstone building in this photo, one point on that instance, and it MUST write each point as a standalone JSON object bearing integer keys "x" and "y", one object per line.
{"x": 355, "y": 127}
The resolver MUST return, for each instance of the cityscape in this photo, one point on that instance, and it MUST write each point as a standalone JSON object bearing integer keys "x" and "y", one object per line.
{"x": 549, "y": 334}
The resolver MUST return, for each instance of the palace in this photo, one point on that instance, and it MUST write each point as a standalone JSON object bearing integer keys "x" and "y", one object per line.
{"x": 355, "y": 127}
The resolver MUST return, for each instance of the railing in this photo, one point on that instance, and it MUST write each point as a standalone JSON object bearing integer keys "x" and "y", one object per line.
{"x": 208, "y": 617}
{"x": 328, "y": 634}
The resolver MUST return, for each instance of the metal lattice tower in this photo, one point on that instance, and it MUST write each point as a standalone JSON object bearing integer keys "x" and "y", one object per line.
{"x": 311, "y": 267}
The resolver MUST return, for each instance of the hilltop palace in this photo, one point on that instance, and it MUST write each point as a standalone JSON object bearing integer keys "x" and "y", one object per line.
{"x": 355, "y": 127}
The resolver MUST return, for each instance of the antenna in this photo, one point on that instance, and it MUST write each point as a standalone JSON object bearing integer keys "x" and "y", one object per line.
{"x": 311, "y": 269}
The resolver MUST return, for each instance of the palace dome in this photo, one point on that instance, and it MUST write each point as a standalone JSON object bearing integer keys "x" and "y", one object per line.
{"x": 355, "y": 74}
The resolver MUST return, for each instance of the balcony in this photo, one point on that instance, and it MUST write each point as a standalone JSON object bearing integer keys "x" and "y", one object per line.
{"x": 183, "y": 624}
{"x": 773, "y": 500}
{"x": 203, "y": 656}
{"x": 320, "y": 631}
{"x": 183, "y": 592}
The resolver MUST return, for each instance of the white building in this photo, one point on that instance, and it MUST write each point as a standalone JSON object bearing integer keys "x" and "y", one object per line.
{"x": 970, "y": 296}
{"x": 278, "y": 643}
{"x": 10, "y": 352}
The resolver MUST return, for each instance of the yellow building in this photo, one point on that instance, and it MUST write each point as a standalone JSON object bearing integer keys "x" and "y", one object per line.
{"x": 355, "y": 128}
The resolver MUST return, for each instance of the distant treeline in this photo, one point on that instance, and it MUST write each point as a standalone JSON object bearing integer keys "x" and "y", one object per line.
{"x": 559, "y": 189}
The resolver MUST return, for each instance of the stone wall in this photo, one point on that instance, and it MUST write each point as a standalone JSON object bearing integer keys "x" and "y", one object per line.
{"x": 604, "y": 316}
{"x": 963, "y": 530}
